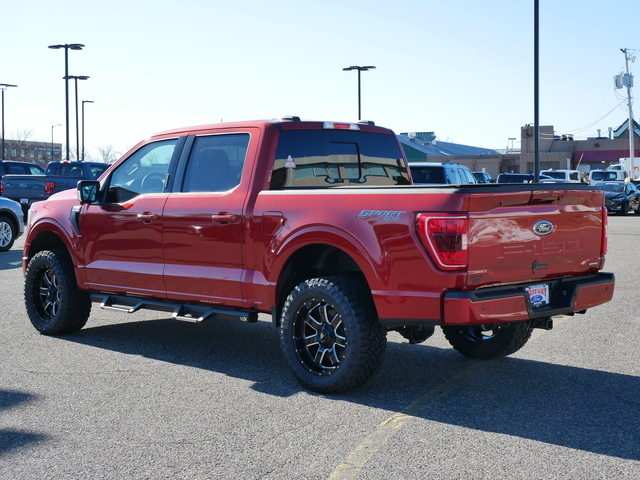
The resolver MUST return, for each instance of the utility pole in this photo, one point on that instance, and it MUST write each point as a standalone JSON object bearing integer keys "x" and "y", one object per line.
{"x": 628, "y": 82}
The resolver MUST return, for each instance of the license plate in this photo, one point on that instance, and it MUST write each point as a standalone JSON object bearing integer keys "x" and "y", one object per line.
{"x": 539, "y": 294}
{"x": 24, "y": 201}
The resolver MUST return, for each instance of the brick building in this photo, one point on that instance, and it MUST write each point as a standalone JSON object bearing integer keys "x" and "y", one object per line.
{"x": 35, "y": 152}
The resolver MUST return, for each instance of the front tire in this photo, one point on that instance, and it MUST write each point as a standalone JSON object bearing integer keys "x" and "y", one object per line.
{"x": 7, "y": 233}
{"x": 54, "y": 303}
{"x": 624, "y": 208}
{"x": 330, "y": 335}
{"x": 488, "y": 342}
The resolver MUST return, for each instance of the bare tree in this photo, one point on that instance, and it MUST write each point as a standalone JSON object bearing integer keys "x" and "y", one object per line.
{"x": 108, "y": 153}
{"x": 18, "y": 144}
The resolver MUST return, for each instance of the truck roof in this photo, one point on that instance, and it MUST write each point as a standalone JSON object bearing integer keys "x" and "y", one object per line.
{"x": 285, "y": 123}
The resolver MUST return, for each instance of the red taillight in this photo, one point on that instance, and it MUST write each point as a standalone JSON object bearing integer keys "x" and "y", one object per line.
{"x": 446, "y": 238}
{"x": 1, "y": 187}
{"x": 49, "y": 187}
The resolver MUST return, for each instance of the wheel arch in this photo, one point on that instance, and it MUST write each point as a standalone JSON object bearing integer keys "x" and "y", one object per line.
{"x": 12, "y": 218}
{"x": 310, "y": 261}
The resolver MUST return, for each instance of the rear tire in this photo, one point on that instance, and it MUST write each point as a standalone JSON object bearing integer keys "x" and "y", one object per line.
{"x": 330, "y": 335}
{"x": 486, "y": 343}
{"x": 54, "y": 303}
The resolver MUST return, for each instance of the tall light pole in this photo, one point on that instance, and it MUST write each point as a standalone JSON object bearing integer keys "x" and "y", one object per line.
{"x": 67, "y": 47}
{"x": 628, "y": 82}
{"x": 76, "y": 78}
{"x": 536, "y": 91}
{"x": 3, "y": 87}
{"x": 359, "y": 69}
{"x": 52, "y": 127}
{"x": 83, "y": 102}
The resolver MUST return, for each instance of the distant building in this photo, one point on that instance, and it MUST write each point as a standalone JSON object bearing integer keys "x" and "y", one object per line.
{"x": 555, "y": 151}
{"x": 35, "y": 152}
{"x": 423, "y": 147}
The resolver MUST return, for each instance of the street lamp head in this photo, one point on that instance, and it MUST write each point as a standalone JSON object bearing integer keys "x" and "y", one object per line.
{"x": 4, "y": 86}
{"x": 76, "y": 77}
{"x": 72, "y": 46}
{"x": 87, "y": 101}
{"x": 360, "y": 69}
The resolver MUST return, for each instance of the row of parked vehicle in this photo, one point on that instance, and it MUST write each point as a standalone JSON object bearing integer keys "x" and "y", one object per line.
{"x": 620, "y": 196}
{"x": 23, "y": 183}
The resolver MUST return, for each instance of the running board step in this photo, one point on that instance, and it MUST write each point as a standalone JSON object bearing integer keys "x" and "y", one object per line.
{"x": 180, "y": 311}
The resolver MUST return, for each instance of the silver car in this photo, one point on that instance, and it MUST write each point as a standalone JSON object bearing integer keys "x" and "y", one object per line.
{"x": 11, "y": 223}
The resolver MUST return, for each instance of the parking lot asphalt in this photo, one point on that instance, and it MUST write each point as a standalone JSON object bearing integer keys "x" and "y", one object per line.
{"x": 145, "y": 397}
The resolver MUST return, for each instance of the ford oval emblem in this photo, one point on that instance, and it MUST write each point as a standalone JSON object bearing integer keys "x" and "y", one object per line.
{"x": 543, "y": 227}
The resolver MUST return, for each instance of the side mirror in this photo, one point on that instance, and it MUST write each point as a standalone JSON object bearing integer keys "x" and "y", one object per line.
{"x": 88, "y": 191}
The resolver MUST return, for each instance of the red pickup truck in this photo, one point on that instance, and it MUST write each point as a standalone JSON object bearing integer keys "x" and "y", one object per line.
{"x": 318, "y": 224}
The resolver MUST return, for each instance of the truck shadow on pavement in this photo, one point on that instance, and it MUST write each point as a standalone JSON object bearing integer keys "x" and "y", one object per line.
{"x": 577, "y": 408}
{"x": 11, "y": 439}
{"x": 11, "y": 259}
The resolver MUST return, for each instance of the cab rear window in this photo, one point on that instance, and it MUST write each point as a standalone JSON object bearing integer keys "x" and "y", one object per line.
{"x": 325, "y": 158}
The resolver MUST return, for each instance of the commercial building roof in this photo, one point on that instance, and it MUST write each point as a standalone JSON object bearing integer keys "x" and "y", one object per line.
{"x": 419, "y": 145}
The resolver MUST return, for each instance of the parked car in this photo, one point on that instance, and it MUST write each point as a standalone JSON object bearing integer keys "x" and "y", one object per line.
{"x": 11, "y": 223}
{"x": 520, "y": 178}
{"x": 620, "y": 196}
{"x": 596, "y": 176}
{"x": 565, "y": 176}
{"x": 446, "y": 173}
{"x": 483, "y": 177}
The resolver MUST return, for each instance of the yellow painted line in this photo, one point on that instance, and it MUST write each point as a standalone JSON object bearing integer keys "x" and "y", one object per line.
{"x": 358, "y": 458}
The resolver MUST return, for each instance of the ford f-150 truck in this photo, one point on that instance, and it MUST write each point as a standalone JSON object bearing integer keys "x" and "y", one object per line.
{"x": 59, "y": 176}
{"x": 318, "y": 224}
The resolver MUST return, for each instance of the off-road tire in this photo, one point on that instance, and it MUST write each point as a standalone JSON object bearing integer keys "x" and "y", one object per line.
{"x": 54, "y": 303}
{"x": 485, "y": 344}
{"x": 330, "y": 335}
{"x": 7, "y": 233}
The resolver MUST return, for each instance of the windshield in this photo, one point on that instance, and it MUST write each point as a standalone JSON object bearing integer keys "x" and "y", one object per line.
{"x": 612, "y": 187}
{"x": 558, "y": 175}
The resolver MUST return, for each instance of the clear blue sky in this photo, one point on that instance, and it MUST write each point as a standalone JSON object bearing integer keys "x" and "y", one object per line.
{"x": 462, "y": 69}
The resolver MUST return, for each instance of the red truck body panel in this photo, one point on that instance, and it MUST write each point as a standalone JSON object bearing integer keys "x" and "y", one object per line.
{"x": 233, "y": 248}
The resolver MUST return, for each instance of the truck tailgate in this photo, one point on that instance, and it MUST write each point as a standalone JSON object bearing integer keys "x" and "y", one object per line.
{"x": 526, "y": 236}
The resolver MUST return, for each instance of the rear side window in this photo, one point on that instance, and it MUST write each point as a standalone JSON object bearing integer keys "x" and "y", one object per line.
{"x": 324, "y": 158}
{"x": 17, "y": 169}
{"x": 216, "y": 162}
{"x": 604, "y": 175}
{"x": 433, "y": 174}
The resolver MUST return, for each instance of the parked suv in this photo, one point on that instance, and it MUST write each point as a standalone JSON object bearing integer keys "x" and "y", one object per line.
{"x": 447, "y": 173}
{"x": 483, "y": 177}
{"x": 567, "y": 176}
